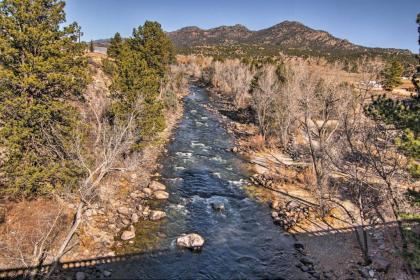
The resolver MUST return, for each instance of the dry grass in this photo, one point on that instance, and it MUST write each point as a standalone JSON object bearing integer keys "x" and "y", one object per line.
{"x": 29, "y": 224}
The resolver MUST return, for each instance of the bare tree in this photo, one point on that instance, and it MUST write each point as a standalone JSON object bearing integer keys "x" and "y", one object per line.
{"x": 387, "y": 164}
{"x": 116, "y": 139}
{"x": 31, "y": 244}
{"x": 321, "y": 103}
{"x": 286, "y": 113}
{"x": 364, "y": 155}
{"x": 263, "y": 97}
{"x": 348, "y": 159}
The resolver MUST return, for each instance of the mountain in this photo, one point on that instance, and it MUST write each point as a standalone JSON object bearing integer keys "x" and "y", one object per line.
{"x": 289, "y": 37}
{"x": 285, "y": 35}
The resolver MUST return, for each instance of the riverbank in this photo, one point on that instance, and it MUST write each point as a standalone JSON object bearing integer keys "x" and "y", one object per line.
{"x": 126, "y": 207}
{"x": 282, "y": 182}
{"x": 128, "y": 217}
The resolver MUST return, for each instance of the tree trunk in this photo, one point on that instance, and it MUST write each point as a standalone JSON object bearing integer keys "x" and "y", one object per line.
{"x": 62, "y": 250}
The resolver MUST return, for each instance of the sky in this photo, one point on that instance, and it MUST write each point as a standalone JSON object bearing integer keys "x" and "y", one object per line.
{"x": 372, "y": 23}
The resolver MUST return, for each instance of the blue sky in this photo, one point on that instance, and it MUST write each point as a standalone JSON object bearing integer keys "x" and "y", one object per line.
{"x": 374, "y": 23}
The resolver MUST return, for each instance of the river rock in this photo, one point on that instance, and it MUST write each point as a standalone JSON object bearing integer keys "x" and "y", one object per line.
{"x": 276, "y": 204}
{"x": 299, "y": 246}
{"x": 146, "y": 211}
{"x": 126, "y": 222}
{"x": 123, "y": 210}
{"x": 191, "y": 241}
{"x": 218, "y": 206}
{"x": 161, "y": 195}
{"x": 128, "y": 234}
{"x": 106, "y": 273}
{"x": 147, "y": 191}
{"x": 134, "y": 218}
{"x": 137, "y": 194}
{"x": 157, "y": 215}
{"x": 156, "y": 186}
{"x": 306, "y": 261}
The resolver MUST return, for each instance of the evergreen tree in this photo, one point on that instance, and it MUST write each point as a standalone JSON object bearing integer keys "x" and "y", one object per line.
{"x": 91, "y": 47}
{"x": 404, "y": 115}
{"x": 392, "y": 75}
{"x": 416, "y": 76}
{"x": 141, "y": 62}
{"x": 42, "y": 66}
{"x": 157, "y": 48}
{"x": 115, "y": 46}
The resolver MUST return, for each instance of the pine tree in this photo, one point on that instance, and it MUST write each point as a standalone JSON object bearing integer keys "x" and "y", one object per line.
{"x": 392, "y": 75}
{"x": 152, "y": 41}
{"x": 406, "y": 116}
{"x": 115, "y": 46}
{"x": 416, "y": 76}
{"x": 91, "y": 47}
{"x": 141, "y": 62}
{"x": 42, "y": 67}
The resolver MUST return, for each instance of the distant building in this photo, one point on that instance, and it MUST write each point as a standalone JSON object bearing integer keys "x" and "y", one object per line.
{"x": 100, "y": 50}
{"x": 373, "y": 84}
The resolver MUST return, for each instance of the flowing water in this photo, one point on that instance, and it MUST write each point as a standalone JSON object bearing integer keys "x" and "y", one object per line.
{"x": 240, "y": 242}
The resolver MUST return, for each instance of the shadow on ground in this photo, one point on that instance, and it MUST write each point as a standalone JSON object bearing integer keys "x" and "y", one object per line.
{"x": 328, "y": 241}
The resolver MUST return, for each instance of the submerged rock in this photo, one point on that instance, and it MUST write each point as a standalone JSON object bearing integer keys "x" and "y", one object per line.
{"x": 299, "y": 246}
{"x": 191, "y": 241}
{"x": 106, "y": 273}
{"x": 157, "y": 215}
{"x": 218, "y": 206}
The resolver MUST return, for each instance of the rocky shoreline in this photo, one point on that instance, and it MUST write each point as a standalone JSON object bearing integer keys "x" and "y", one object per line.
{"x": 128, "y": 201}
{"x": 294, "y": 209}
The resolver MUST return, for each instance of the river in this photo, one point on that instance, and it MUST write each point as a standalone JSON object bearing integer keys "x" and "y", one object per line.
{"x": 241, "y": 241}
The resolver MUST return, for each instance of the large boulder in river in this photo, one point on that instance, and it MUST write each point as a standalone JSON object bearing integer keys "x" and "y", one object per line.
{"x": 156, "y": 215}
{"x": 156, "y": 186}
{"x": 191, "y": 241}
{"x": 161, "y": 195}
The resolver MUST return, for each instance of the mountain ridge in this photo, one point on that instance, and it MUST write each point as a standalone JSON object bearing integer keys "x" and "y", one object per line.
{"x": 288, "y": 34}
{"x": 290, "y": 37}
